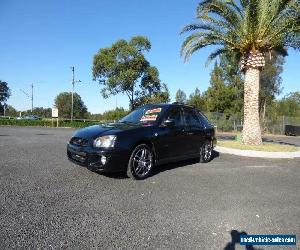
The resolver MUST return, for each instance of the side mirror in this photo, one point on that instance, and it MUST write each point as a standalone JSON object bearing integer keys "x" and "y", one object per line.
{"x": 169, "y": 123}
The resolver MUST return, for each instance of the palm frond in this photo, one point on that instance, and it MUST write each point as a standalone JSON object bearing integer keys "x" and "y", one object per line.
{"x": 215, "y": 54}
{"x": 274, "y": 14}
{"x": 219, "y": 8}
{"x": 243, "y": 26}
{"x": 236, "y": 7}
{"x": 200, "y": 26}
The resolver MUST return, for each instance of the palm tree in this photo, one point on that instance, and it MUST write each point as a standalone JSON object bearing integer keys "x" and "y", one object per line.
{"x": 252, "y": 29}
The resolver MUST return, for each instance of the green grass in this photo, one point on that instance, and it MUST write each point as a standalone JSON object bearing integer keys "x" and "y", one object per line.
{"x": 266, "y": 146}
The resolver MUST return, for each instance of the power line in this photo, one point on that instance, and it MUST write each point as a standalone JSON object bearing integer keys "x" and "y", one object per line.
{"x": 29, "y": 96}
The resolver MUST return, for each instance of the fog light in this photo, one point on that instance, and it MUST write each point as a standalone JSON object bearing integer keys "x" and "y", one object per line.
{"x": 103, "y": 159}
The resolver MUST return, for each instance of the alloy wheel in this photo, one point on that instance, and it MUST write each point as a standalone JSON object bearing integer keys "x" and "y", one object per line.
{"x": 141, "y": 162}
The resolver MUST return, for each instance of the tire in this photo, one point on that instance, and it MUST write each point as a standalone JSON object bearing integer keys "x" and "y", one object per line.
{"x": 206, "y": 151}
{"x": 141, "y": 162}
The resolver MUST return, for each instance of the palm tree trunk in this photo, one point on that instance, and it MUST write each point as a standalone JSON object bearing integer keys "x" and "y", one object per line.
{"x": 251, "y": 129}
{"x": 263, "y": 118}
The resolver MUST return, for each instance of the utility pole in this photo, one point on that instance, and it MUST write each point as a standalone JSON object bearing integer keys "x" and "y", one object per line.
{"x": 29, "y": 96}
{"x": 73, "y": 83}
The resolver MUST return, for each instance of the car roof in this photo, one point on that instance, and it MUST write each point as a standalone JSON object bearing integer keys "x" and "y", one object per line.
{"x": 174, "y": 104}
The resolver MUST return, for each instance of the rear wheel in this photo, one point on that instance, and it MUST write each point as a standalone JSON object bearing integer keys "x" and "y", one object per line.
{"x": 206, "y": 151}
{"x": 141, "y": 162}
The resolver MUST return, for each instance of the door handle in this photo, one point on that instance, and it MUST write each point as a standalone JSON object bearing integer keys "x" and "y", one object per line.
{"x": 190, "y": 133}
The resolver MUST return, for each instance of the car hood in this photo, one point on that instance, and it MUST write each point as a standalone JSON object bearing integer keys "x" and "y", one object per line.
{"x": 104, "y": 129}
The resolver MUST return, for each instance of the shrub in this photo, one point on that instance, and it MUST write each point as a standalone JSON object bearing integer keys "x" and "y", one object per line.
{"x": 47, "y": 123}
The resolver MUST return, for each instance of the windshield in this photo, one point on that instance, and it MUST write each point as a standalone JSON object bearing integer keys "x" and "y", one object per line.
{"x": 146, "y": 114}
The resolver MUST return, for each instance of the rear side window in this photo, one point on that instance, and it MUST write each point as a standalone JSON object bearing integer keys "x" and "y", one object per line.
{"x": 175, "y": 114}
{"x": 203, "y": 120}
{"x": 191, "y": 118}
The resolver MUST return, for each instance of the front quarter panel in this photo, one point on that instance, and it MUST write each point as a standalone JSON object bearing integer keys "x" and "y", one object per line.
{"x": 129, "y": 139}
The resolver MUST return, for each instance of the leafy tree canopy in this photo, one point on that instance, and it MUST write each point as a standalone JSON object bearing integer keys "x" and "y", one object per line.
{"x": 64, "y": 102}
{"x": 114, "y": 115}
{"x": 162, "y": 96}
{"x": 221, "y": 96}
{"x": 4, "y": 92}
{"x": 289, "y": 105}
{"x": 270, "y": 79}
{"x": 40, "y": 112}
{"x": 197, "y": 100}
{"x": 110, "y": 115}
{"x": 180, "y": 96}
{"x": 123, "y": 68}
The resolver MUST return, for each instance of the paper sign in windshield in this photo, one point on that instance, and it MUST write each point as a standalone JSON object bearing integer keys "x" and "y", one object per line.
{"x": 151, "y": 115}
{"x": 152, "y": 111}
{"x": 148, "y": 118}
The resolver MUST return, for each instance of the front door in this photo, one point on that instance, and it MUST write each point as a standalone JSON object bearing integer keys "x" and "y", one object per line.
{"x": 171, "y": 142}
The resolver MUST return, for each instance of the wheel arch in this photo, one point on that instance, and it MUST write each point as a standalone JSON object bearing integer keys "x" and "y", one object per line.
{"x": 149, "y": 143}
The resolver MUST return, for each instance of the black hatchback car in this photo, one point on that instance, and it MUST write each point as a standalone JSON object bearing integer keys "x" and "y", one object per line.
{"x": 150, "y": 135}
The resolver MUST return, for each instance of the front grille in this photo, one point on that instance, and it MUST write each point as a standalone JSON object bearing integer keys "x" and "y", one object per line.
{"x": 79, "y": 141}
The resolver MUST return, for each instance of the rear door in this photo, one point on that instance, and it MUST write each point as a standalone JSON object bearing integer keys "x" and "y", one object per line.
{"x": 194, "y": 130}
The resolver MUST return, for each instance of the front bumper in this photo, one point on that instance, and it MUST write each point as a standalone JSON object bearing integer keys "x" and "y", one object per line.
{"x": 90, "y": 157}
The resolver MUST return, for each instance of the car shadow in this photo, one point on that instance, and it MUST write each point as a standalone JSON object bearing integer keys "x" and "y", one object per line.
{"x": 161, "y": 168}
{"x": 179, "y": 164}
{"x": 235, "y": 239}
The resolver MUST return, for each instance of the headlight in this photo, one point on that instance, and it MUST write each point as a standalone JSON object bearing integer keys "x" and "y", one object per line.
{"x": 107, "y": 141}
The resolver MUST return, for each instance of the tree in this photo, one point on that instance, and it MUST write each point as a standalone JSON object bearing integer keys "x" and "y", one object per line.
{"x": 197, "y": 100}
{"x": 163, "y": 96}
{"x": 270, "y": 82}
{"x": 234, "y": 80}
{"x": 219, "y": 96}
{"x": 289, "y": 105}
{"x": 251, "y": 29}
{"x": 64, "y": 102}
{"x": 4, "y": 95}
{"x": 114, "y": 115}
{"x": 180, "y": 96}
{"x": 11, "y": 111}
{"x": 123, "y": 68}
{"x": 40, "y": 112}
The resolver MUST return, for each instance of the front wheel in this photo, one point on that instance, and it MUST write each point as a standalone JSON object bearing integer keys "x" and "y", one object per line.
{"x": 141, "y": 162}
{"x": 206, "y": 151}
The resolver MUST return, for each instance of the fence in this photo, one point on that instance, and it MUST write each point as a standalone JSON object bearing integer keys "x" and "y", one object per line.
{"x": 223, "y": 122}
{"x": 229, "y": 123}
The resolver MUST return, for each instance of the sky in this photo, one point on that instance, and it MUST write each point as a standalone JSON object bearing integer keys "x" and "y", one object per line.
{"x": 41, "y": 40}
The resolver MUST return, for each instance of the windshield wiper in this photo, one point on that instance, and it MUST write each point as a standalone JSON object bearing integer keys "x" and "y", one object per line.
{"x": 128, "y": 122}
